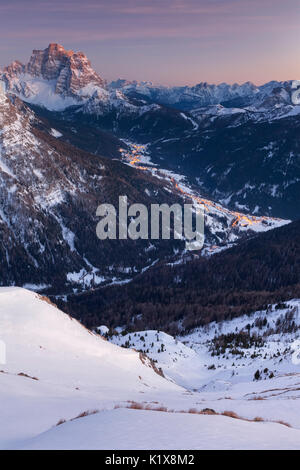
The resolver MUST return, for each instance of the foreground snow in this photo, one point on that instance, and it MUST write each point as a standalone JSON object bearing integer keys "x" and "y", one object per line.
{"x": 56, "y": 370}
{"x": 137, "y": 429}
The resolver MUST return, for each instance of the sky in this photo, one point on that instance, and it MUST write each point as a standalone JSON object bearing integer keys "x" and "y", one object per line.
{"x": 172, "y": 42}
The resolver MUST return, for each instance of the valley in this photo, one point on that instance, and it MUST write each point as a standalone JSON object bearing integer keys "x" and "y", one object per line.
{"x": 138, "y": 153}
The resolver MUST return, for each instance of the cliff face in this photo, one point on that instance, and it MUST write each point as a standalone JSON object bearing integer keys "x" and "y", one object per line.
{"x": 70, "y": 71}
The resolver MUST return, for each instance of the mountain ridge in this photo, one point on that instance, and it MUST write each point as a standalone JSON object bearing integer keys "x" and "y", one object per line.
{"x": 75, "y": 78}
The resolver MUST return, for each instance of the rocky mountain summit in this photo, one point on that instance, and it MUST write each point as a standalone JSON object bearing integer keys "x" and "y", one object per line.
{"x": 72, "y": 70}
{"x": 52, "y": 71}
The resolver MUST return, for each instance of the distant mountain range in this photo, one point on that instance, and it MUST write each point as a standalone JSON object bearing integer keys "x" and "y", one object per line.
{"x": 237, "y": 144}
{"x": 56, "y": 78}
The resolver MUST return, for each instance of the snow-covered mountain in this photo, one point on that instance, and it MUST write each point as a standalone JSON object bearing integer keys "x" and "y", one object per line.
{"x": 260, "y": 99}
{"x": 104, "y": 102}
{"x": 186, "y": 97}
{"x": 53, "y": 78}
{"x": 63, "y": 387}
{"x": 56, "y": 78}
{"x": 50, "y": 187}
{"x": 69, "y": 142}
{"x": 206, "y": 93}
{"x": 239, "y": 161}
{"x": 50, "y": 192}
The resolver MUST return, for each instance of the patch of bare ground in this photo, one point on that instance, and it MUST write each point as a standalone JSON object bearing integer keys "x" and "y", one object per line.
{"x": 155, "y": 406}
{"x": 150, "y": 363}
{"x": 44, "y": 298}
{"x": 61, "y": 421}
{"x": 275, "y": 392}
{"x": 81, "y": 415}
{"x": 85, "y": 413}
{"x": 284, "y": 423}
{"x": 205, "y": 411}
{"x": 22, "y": 374}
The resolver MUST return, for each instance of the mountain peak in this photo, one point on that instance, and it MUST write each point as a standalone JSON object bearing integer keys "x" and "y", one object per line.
{"x": 72, "y": 69}
{"x": 65, "y": 72}
{"x": 56, "y": 46}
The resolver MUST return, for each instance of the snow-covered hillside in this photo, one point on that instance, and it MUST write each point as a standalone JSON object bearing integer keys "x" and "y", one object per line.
{"x": 106, "y": 397}
{"x": 249, "y": 364}
{"x": 55, "y": 368}
{"x": 231, "y": 351}
{"x": 124, "y": 429}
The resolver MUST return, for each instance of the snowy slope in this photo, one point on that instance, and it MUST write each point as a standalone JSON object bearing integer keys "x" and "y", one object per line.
{"x": 230, "y": 351}
{"x": 138, "y": 429}
{"x": 66, "y": 368}
{"x": 57, "y": 371}
{"x": 218, "y": 362}
{"x": 179, "y": 362}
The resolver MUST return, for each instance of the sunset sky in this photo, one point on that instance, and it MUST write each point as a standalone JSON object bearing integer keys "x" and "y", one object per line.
{"x": 172, "y": 42}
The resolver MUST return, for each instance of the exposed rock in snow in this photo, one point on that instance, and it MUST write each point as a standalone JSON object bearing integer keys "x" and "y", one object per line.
{"x": 55, "y": 133}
